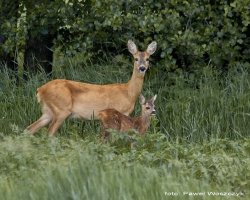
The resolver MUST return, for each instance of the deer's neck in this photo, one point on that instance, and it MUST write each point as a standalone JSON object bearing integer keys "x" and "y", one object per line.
{"x": 145, "y": 119}
{"x": 135, "y": 85}
{"x": 142, "y": 123}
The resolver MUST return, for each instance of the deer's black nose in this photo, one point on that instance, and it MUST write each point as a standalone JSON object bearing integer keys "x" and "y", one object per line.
{"x": 142, "y": 68}
{"x": 153, "y": 112}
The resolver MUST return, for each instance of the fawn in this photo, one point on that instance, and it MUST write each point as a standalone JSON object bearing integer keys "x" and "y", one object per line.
{"x": 113, "y": 119}
{"x": 62, "y": 98}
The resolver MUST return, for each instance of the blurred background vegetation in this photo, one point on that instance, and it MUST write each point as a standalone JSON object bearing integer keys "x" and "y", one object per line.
{"x": 190, "y": 34}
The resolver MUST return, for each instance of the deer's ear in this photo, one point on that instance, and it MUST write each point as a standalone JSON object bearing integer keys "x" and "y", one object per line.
{"x": 154, "y": 98}
{"x": 142, "y": 99}
{"x": 132, "y": 47}
{"x": 151, "y": 48}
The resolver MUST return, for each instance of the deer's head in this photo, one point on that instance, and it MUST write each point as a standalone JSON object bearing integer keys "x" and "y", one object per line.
{"x": 141, "y": 58}
{"x": 148, "y": 106}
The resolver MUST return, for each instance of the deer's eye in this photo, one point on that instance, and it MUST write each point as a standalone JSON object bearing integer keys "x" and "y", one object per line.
{"x": 136, "y": 59}
{"x": 147, "y": 108}
{"x": 147, "y": 59}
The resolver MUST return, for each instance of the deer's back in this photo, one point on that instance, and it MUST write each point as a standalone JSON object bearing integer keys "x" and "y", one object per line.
{"x": 113, "y": 119}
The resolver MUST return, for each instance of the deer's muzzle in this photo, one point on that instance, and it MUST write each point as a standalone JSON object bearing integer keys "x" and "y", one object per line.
{"x": 142, "y": 69}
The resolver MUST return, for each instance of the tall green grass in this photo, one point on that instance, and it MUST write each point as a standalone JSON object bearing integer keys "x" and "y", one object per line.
{"x": 193, "y": 108}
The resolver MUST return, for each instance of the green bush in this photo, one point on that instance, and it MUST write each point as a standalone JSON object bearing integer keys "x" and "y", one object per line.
{"x": 190, "y": 34}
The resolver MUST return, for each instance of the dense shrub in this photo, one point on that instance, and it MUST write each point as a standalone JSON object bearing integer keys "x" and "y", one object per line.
{"x": 190, "y": 34}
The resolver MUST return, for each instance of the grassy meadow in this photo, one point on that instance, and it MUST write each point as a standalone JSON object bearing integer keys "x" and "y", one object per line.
{"x": 198, "y": 145}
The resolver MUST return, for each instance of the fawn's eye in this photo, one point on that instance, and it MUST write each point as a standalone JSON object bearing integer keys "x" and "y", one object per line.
{"x": 147, "y": 108}
{"x": 136, "y": 59}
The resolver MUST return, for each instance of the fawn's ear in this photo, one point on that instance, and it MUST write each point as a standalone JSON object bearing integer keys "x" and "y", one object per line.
{"x": 151, "y": 48}
{"x": 154, "y": 98}
{"x": 142, "y": 99}
{"x": 132, "y": 47}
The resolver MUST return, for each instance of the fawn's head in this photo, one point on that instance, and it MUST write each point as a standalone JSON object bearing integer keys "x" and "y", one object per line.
{"x": 148, "y": 106}
{"x": 141, "y": 62}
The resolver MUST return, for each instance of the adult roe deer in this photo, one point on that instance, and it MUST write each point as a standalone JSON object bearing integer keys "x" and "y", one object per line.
{"x": 62, "y": 98}
{"x": 113, "y": 119}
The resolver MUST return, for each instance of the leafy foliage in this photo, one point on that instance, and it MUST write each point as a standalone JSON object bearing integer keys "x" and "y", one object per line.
{"x": 190, "y": 34}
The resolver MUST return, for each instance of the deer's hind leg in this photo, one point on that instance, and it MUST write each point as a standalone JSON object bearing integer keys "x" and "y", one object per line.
{"x": 37, "y": 125}
{"x": 57, "y": 122}
{"x": 44, "y": 120}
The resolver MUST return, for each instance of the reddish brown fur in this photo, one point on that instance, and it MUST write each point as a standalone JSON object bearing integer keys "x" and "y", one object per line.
{"x": 63, "y": 98}
{"x": 113, "y": 119}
